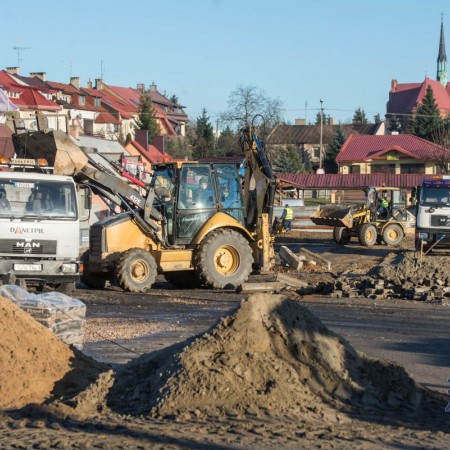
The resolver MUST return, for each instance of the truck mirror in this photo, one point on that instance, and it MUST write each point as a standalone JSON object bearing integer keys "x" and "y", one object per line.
{"x": 87, "y": 199}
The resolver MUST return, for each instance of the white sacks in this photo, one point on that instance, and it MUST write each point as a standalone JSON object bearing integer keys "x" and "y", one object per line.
{"x": 64, "y": 315}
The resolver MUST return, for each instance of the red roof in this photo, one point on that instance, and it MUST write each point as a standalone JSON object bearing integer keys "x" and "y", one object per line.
{"x": 152, "y": 154}
{"x": 106, "y": 117}
{"x": 64, "y": 87}
{"x": 351, "y": 181}
{"x": 28, "y": 98}
{"x": 404, "y": 97}
{"x": 358, "y": 148}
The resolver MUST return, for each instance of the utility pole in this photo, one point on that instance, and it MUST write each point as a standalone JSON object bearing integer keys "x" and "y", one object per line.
{"x": 18, "y": 50}
{"x": 321, "y": 133}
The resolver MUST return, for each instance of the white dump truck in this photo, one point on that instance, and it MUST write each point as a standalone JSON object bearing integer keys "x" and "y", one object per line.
{"x": 39, "y": 225}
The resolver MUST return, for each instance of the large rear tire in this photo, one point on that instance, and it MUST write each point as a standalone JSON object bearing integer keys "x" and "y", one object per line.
{"x": 187, "y": 279}
{"x": 393, "y": 234}
{"x": 367, "y": 235}
{"x": 224, "y": 260}
{"x": 136, "y": 270}
{"x": 342, "y": 235}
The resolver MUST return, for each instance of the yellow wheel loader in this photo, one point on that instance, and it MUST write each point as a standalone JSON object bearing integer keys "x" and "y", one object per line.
{"x": 379, "y": 220}
{"x": 198, "y": 224}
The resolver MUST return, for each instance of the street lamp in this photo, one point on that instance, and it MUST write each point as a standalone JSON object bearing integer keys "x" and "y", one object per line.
{"x": 321, "y": 133}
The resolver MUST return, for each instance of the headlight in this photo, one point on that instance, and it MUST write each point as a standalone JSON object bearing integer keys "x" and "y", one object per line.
{"x": 423, "y": 235}
{"x": 69, "y": 268}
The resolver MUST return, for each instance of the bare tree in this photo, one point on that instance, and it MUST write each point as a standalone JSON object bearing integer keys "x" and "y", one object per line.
{"x": 441, "y": 136}
{"x": 246, "y": 102}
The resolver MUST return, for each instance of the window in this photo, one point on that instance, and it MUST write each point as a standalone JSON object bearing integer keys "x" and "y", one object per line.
{"x": 96, "y": 102}
{"x": 316, "y": 152}
{"x": 82, "y": 100}
{"x": 355, "y": 169}
{"x": 412, "y": 168}
{"x": 383, "y": 168}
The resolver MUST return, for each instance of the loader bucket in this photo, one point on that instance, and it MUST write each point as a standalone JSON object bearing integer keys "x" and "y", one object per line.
{"x": 333, "y": 216}
{"x": 55, "y": 146}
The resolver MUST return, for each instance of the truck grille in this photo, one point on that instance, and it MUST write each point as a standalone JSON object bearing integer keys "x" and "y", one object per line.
{"x": 440, "y": 221}
{"x": 31, "y": 247}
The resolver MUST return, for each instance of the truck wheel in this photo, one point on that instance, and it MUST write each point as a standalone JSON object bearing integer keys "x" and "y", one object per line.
{"x": 91, "y": 280}
{"x": 224, "y": 260}
{"x": 65, "y": 288}
{"x": 393, "y": 234}
{"x": 367, "y": 235}
{"x": 136, "y": 270}
{"x": 342, "y": 235}
{"x": 183, "y": 279}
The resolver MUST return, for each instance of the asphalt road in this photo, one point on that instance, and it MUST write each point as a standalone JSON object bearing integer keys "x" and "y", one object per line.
{"x": 413, "y": 334}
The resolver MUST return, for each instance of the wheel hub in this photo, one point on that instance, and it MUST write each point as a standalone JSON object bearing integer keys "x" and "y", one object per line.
{"x": 139, "y": 270}
{"x": 226, "y": 260}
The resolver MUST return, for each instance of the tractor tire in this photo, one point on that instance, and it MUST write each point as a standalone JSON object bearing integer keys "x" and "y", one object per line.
{"x": 367, "y": 235}
{"x": 393, "y": 234}
{"x": 341, "y": 235}
{"x": 224, "y": 260}
{"x": 186, "y": 279}
{"x": 136, "y": 270}
{"x": 92, "y": 280}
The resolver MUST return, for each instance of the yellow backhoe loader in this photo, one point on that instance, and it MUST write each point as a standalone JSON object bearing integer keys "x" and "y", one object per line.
{"x": 379, "y": 220}
{"x": 198, "y": 224}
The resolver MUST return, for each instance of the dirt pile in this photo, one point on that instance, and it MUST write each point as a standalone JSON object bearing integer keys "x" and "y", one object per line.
{"x": 398, "y": 276}
{"x": 32, "y": 358}
{"x": 35, "y": 364}
{"x": 270, "y": 357}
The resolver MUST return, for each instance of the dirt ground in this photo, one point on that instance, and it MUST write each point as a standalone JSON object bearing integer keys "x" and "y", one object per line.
{"x": 268, "y": 375}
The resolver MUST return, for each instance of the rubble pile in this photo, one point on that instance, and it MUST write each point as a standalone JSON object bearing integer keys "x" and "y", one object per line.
{"x": 271, "y": 357}
{"x": 402, "y": 276}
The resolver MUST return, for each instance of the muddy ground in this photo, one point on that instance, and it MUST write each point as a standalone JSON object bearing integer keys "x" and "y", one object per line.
{"x": 416, "y": 333}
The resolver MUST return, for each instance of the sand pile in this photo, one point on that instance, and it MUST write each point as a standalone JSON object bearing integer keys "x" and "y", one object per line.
{"x": 32, "y": 358}
{"x": 35, "y": 364}
{"x": 270, "y": 357}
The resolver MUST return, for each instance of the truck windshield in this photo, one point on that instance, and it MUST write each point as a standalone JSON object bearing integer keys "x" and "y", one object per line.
{"x": 37, "y": 198}
{"x": 430, "y": 196}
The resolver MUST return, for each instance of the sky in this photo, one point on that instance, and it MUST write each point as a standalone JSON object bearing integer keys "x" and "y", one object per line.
{"x": 344, "y": 52}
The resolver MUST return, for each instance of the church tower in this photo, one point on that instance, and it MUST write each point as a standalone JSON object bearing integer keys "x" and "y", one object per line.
{"x": 442, "y": 59}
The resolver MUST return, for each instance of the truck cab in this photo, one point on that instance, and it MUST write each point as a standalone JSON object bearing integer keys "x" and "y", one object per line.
{"x": 39, "y": 225}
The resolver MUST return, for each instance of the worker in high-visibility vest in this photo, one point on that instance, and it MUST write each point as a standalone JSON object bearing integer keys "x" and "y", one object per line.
{"x": 383, "y": 206}
{"x": 287, "y": 217}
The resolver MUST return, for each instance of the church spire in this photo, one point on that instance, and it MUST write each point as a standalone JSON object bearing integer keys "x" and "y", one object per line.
{"x": 442, "y": 58}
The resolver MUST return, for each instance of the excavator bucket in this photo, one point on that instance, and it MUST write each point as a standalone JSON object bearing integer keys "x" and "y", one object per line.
{"x": 55, "y": 146}
{"x": 333, "y": 216}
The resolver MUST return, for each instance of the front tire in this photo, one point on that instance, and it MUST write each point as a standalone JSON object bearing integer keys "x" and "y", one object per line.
{"x": 393, "y": 234}
{"x": 136, "y": 270}
{"x": 66, "y": 288}
{"x": 342, "y": 235}
{"x": 91, "y": 280}
{"x": 367, "y": 235}
{"x": 224, "y": 260}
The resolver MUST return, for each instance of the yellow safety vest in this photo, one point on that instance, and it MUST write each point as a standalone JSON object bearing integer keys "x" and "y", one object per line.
{"x": 289, "y": 214}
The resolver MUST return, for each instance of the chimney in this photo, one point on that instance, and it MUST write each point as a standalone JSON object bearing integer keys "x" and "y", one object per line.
{"x": 40, "y": 75}
{"x": 393, "y": 85}
{"x": 153, "y": 88}
{"x": 89, "y": 84}
{"x": 98, "y": 83}
{"x": 75, "y": 82}
{"x": 141, "y": 138}
{"x": 140, "y": 87}
{"x": 13, "y": 70}
{"x": 300, "y": 122}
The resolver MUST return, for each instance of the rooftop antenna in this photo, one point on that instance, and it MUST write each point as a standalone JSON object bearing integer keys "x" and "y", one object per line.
{"x": 18, "y": 50}
{"x": 102, "y": 70}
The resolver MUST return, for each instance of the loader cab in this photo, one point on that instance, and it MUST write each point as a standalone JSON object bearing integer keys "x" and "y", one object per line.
{"x": 192, "y": 193}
